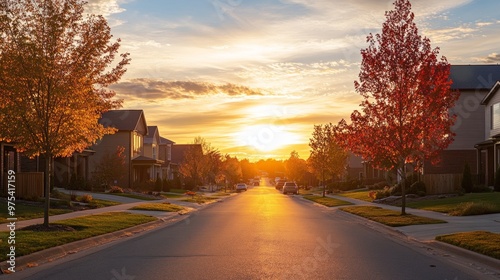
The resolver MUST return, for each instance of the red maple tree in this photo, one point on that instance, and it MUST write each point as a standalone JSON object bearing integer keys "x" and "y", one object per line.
{"x": 405, "y": 115}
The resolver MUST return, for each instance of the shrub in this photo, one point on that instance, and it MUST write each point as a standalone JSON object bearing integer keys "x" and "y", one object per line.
{"x": 87, "y": 198}
{"x": 158, "y": 184}
{"x": 72, "y": 196}
{"x": 378, "y": 186}
{"x": 497, "y": 180}
{"x": 417, "y": 188}
{"x": 116, "y": 189}
{"x": 467, "y": 184}
{"x": 77, "y": 183}
{"x": 474, "y": 208}
{"x": 386, "y": 192}
{"x": 409, "y": 180}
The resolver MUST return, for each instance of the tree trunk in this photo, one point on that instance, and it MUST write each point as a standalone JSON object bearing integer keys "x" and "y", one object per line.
{"x": 48, "y": 170}
{"x": 323, "y": 181}
{"x": 403, "y": 191}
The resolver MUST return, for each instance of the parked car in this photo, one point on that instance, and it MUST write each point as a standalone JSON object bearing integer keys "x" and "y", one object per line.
{"x": 290, "y": 187}
{"x": 279, "y": 185}
{"x": 241, "y": 187}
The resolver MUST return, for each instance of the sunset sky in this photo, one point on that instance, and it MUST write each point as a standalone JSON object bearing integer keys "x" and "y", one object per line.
{"x": 252, "y": 77}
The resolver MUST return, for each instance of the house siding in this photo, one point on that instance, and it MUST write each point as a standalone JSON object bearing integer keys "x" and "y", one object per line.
{"x": 469, "y": 128}
{"x": 108, "y": 144}
{"x": 453, "y": 162}
{"x": 490, "y": 132}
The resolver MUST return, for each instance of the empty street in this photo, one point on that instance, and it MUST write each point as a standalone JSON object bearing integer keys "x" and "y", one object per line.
{"x": 258, "y": 234}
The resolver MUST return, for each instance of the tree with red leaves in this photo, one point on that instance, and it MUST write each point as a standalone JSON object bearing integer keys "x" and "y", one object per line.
{"x": 405, "y": 115}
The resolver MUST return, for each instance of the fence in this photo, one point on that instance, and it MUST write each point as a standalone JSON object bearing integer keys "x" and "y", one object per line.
{"x": 27, "y": 184}
{"x": 442, "y": 183}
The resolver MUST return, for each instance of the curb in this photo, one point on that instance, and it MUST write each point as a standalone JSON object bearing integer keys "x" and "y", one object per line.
{"x": 491, "y": 262}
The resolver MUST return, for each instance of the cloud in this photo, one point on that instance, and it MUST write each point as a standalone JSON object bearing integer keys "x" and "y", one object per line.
{"x": 492, "y": 58}
{"x": 156, "y": 89}
{"x": 104, "y": 7}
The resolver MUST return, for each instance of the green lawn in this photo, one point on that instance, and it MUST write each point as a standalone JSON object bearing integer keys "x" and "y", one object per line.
{"x": 482, "y": 242}
{"x": 468, "y": 204}
{"x": 198, "y": 199}
{"x": 327, "y": 201}
{"x": 165, "y": 206}
{"x": 29, "y": 241}
{"x": 172, "y": 195}
{"x": 361, "y": 195}
{"x": 389, "y": 217}
{"x": 135, "y": 196}
{"x": 28, "y": 212}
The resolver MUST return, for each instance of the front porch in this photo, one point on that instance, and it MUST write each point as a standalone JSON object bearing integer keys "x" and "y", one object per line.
{"x": 488, "y": 160}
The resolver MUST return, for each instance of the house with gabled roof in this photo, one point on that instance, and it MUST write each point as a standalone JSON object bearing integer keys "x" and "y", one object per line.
{"x": 166, "y": 157}
{"x": 151, "y": 159}
{"x": 473, "y": 82}
{"x": 131, "y": 130}
{"x": 488, "y": 150}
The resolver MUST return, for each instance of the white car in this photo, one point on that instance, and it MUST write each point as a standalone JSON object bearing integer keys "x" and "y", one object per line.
{"x": 241, "y": 187}
{"x": 290, "y": 187}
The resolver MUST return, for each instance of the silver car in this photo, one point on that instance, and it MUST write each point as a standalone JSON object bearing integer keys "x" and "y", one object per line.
{"x": 290, "y": 187}
{"x": 241, "y": 187}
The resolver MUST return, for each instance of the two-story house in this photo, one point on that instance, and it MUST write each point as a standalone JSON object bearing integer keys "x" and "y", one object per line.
{"x": 152, "y": 159}
{"x": 488, "y": 151}
{"x": 473, "y": 82}
{"x": 166, "y": 157}
{"x": 131, "y": 129}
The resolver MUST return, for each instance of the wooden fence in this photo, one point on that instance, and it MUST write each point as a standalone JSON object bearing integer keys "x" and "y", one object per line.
{"x": 27, "y": 185}
{"x": 442, "y": 183}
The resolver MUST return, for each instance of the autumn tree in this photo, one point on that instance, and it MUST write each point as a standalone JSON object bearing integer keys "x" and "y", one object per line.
{"x": 327, "y": 158}
{"x": 192, "y": 166}
{"x": 405, "y": 115}
{"x": 55, "y": 68}
{"x": 111, "y": 168}
{"x": 295, "y": 167}
{"x": 231, "y": 170}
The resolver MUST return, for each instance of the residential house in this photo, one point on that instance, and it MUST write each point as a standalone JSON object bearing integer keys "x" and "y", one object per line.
{"x": 488, "y": 152}
{"x": 474, "y": 82}
{"x": 131, "y": 129}
{"x": 166, "y": 157}
{"x": 151, "y": 156}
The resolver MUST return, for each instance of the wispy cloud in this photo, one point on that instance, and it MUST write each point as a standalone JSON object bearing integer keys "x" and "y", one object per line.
{"x": 149, "y": 89}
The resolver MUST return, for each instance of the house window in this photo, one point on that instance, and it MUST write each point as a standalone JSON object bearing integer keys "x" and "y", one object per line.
{"x": 154, "y": 151}
{"x": 495, "y": 116}
{"x": 137, "y": 144}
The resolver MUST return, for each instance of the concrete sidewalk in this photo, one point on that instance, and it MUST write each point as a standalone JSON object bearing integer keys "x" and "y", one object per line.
{"x": 454, "y": 224}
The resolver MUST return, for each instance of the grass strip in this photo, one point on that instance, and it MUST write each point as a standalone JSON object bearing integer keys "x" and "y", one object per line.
{"x": 389, "y": 217}
{"x": 327, "y": 201}
{"x": 30, "y": 241}
{"x": 200, "y": 199}
{"x": 28, "y": 212}
{"x": 465, "y": 205}
{"x": 482, "y": 242}
{"x": 361, "y": 195}
{"x": 165, "y": 206}
{"x": 135, "y": 196}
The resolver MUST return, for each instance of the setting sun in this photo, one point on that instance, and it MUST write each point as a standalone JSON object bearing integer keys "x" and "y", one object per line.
{"x": 265, "y": 138}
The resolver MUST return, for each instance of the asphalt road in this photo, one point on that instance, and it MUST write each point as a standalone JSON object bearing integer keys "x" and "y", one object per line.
{"x": 259, "y": 234}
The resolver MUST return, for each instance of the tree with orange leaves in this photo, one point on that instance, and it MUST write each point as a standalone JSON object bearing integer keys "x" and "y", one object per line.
{"x": 405, "y": 115}
{"x": 55, "y": 68}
